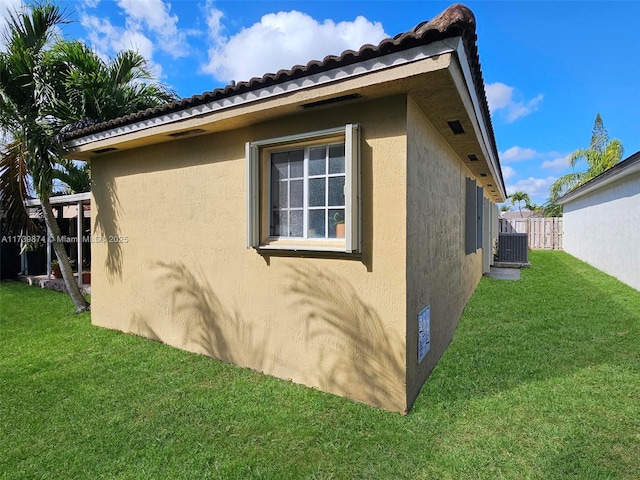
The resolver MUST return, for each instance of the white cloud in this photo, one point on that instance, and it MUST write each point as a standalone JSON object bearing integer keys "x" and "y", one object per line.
{"x": 108, "y": 40}
{"x": 91, "y": 3}
{"x": 148, "y": 28}
{"x": 281, "y": 40}
{"x": 508, "y": 173}
{"x": 498, "y": 95}
{"x": 557, "y": 164}
{"x": 153, "y": 15}
{"x": 516, "y": 153}
{"x": 7, "y": 7}
{"x": 501, "y": 97}
{"x": 214, "y": 23}
{"x": 537, "y": 188}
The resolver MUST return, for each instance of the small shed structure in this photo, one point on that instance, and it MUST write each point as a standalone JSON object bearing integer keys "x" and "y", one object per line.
{"x": 325, "y": 224}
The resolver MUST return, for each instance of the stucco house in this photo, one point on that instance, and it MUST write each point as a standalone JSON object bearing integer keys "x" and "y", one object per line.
{"x": 602, "y": 221}
{"x": 325, "y": 224}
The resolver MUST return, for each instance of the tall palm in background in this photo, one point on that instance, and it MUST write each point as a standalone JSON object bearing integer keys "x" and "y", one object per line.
{"x": 47, "y": 85}
{"x": 601, "y": 155}
{"x": 518, "y": 198}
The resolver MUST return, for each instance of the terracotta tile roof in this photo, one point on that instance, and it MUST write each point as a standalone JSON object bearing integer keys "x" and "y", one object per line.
{"x": 455, "y": 21}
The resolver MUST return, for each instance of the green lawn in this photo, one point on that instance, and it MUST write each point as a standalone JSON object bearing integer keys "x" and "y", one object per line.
{"x": 542, "y": 380}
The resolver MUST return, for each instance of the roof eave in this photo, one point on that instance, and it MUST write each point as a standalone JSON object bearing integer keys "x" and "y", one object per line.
{"x": 86, "y": 146}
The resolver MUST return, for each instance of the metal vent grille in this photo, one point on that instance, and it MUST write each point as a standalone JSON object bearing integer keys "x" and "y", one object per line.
{"x": 513, "y": 247}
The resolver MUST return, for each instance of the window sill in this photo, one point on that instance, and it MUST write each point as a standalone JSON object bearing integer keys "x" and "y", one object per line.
{"x": 335, "y": 247}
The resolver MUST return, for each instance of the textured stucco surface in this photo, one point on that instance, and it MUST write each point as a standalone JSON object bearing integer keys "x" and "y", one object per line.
{"x": 181, "y": 273}
{"x": 439, "y": 273}
{"x": 602, "y": 228}
{"x": 184, "y": 277}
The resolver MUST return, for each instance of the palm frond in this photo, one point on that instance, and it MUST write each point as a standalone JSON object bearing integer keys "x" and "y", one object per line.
{"x": 601, "y": 155}
{"x": 77, "y": 178}
{"x": 565, "y": 184}
{"x": 15, "y": 188}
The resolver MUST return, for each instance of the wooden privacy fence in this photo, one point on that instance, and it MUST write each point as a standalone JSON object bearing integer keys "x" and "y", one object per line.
{"x": 544, "y": 233}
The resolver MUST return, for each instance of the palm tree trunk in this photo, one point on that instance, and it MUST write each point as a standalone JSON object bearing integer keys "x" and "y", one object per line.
{"x": 80, "y": 304}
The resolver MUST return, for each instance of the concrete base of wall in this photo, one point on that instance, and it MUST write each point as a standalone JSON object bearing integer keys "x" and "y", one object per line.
{"x": 511, "y": 264}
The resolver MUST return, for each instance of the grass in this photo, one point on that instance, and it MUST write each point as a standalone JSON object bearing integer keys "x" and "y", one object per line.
{"x": 542, "y": 380}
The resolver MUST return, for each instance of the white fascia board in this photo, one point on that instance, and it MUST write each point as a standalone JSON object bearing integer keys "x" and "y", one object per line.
{"x": 494, "y": 164}
{"x": 598, "y": 183}
{"x": 322, "y": 78}
{"x": 61, "y": 199}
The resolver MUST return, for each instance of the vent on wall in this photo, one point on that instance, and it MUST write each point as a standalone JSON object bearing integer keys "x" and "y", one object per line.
{"x": 513, "y": 247}
{"x": 184, "y": 133}
{"x": 105, "y": 150}
{"x": 329, "y": 101}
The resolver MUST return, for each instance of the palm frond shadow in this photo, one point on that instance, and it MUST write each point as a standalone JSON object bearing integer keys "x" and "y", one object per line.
{"x": 212, "y": 328}
{"x": 107, "y": 212}
{"x": 359, "y": 356}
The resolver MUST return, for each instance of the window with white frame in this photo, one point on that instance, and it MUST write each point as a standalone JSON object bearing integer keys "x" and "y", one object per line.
{"x": 303, "y": 191}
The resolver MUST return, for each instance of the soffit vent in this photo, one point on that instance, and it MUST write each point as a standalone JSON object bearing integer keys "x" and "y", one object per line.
{"x": 456, "y": 127}
{"x": 105, "y": 150}
{"x": 184, "y": 133}
{"x": 328, "y": 101}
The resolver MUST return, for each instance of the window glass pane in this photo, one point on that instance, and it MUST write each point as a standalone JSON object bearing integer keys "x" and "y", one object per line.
{"x": 296, "y": 159}
{"x": 336, "y": 223}
{"x": 316, "y": 192}
{"x": 317, "y": 160}
{"x": 279, "y": 166}
{"x": 279, "y": 195}
{"x": 336, "y": 191}
{"x": 336, "y": 158}
{"x": 296, "y": 197}
{"x": 278, "y": 223}
{"x": 316, "y": 223}
{"x": 295, "y": 223}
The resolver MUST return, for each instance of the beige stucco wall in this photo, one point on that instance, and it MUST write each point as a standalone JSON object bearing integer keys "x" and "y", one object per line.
{"x": 182, "y": 274}
{"x": 438, "y": 271}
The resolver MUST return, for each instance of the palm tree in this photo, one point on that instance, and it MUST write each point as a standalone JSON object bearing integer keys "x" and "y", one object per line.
{"x": 75, "y": 175}
{"x": 519, "y": 197}
{"x": 601, "y": 155}
{"x": 48, "y": 84}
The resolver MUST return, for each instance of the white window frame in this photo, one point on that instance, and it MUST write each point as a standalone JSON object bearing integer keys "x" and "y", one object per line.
{"x": 257, "y": 230}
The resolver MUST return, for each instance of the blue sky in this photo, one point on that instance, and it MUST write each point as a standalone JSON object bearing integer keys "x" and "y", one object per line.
{"x": 549, "y": 67}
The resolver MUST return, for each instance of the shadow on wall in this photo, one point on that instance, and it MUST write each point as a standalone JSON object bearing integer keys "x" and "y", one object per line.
{"x": 208, "y": 326}
{"x": 108, "y": 210}
{"x": 358, "y": 357}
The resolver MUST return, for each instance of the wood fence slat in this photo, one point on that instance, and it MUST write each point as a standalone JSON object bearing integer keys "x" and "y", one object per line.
{"x": 544, "y": 233}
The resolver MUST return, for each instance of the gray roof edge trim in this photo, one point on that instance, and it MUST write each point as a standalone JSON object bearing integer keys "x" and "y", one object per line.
{"x": 354, "y": 70}
{"x": 484, "y": 122}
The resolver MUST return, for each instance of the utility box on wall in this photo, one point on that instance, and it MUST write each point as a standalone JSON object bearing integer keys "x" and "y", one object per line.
{"x": 513, "y": 247}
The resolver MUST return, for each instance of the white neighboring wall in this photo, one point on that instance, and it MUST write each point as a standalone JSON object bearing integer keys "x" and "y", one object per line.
{"x": 602, "y": 227}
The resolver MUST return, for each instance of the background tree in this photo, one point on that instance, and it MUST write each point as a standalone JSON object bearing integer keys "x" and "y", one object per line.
{"x": 76, "y": 177}
{"x": 534, "y": 207}
{"x": 46, "y": 86}
{"x": 601, "y": 155}
{"x": 550, "y": 209}
{"x": 519, "y": 197}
